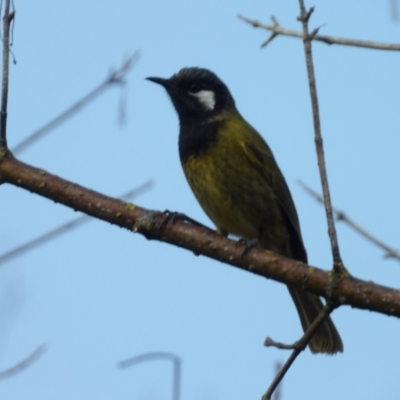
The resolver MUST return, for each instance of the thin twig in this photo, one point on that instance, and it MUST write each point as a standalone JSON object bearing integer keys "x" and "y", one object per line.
{"x": 341, "y": 216}
{"x": 268, "y": 342}
{"x": 278, "y": 390}
{"x": 303, "y": 18}
{"x": 22, "y": 249}
{"x": 276, "y": 30}
{"x": 157, "y": 356}
{"x": 28, "y": 361}
{"x": 298, "y": 347}
{"x": 114, "y": 77}
{"x": 394, "y": 10}
{"x": 7, "y": 20}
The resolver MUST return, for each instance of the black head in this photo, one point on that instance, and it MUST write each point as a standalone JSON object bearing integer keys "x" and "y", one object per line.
{"x": 197, "y": 92}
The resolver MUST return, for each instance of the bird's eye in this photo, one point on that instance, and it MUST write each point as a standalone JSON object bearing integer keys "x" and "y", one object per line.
{"x": 194, "y": 88}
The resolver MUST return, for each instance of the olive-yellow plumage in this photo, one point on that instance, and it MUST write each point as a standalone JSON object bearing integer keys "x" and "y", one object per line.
{"x": 218, "y": 191}
{"x": 236, "y": 180}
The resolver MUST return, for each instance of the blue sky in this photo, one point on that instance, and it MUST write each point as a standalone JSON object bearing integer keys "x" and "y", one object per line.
{"x": 99, "y": 295}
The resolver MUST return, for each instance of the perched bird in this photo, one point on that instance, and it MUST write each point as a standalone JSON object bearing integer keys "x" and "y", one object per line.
{"x": 236, "y": 180}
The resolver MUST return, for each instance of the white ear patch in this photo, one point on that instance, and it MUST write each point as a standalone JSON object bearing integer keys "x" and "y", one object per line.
{"x": 206, "y": 98}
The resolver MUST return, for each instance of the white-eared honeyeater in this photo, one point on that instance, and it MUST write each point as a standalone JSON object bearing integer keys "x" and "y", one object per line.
{"x": 237, "y": 181}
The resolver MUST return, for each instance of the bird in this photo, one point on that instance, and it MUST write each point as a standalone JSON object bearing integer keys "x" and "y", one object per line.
{"x": 237, "y": 181}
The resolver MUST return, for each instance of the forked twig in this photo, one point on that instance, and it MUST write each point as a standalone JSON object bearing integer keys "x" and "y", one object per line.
{"x": 116, "y": 76}
{"x": 297, "y": 347}
{"x": 277, "y": 30}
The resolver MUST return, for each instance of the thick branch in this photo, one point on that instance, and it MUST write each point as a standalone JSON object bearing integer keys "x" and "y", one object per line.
{"x": 348, "y": 290}
{"x": 276, "y": 30}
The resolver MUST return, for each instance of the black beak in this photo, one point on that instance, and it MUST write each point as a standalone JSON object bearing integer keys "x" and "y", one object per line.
{"x": 160, "y": 81}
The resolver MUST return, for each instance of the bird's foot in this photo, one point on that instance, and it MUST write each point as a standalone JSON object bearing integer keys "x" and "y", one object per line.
{"x": 173, "y": 216}
{"x": 248, "y": 245}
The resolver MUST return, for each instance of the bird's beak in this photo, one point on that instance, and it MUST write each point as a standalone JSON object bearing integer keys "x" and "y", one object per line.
{"x": 160, "y": 81}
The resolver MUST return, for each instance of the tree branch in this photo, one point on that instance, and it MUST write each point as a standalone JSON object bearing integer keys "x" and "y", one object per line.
{"x": 61, "y": 229}
{"x": 27, "y": 362}
{"x": 303, "y": 18}
{"x": 159, "y": 355}
{"x": 341, "y": 216}
{"x": 7, "y": 20}
{"x": 297, "y": 347}
{"x": 114, "y": 77}
{"x": 276, "y": 30}
{"x": 347, "y": 290}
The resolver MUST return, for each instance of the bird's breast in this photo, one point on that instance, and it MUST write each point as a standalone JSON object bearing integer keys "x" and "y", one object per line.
{"x": 231, "y": 192}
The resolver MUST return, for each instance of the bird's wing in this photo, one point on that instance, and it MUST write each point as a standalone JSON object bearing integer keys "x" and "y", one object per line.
{"x": 260, "y": 155}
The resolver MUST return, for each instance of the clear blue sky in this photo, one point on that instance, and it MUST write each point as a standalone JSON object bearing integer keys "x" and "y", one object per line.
{"x": 99, "y": 295}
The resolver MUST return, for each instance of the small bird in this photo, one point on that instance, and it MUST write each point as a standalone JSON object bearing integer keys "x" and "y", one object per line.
{"x": 235, "y": 178}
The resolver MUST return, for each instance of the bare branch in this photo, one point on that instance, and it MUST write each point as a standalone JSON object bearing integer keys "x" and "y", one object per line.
{"x": 114, "y": 77}
{"x": 32, "y": 244}
{"x": 345, "y": 290}
{"x": 303, "y": 18}
{"x": 24, "y": 364}
{"x": 341, "y": 216}
{"x": 269, "y": 342}
{"x": 7, "y": 21}
{"x": 278, "y": 390}
{"x": 394, "y": 10}
{"x": 298, "y": 347}
{"x": 276, "y": 30}
{"x": 157, "y": 356}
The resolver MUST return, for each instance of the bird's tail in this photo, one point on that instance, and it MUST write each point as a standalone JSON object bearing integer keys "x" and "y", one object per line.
{"x": 326, "y": 339}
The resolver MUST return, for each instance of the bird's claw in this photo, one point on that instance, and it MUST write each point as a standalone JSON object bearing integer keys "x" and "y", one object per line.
{"x": 248, "y": 245}
{"x": 173, "y": 216}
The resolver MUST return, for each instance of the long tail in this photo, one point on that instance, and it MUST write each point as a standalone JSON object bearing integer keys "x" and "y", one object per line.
{"x": 326, "y": 339}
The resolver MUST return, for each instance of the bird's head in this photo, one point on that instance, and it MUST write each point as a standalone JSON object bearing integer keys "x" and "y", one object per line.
{"x": 197, "y": 92}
